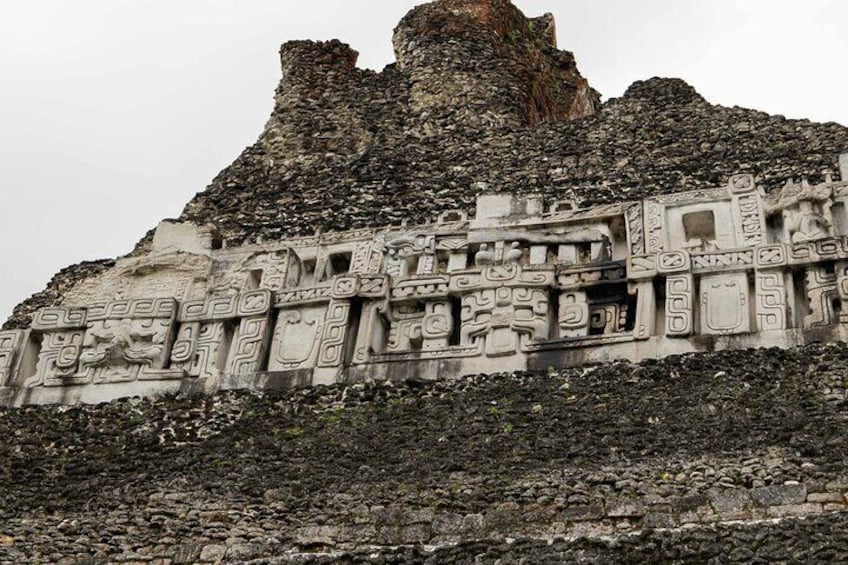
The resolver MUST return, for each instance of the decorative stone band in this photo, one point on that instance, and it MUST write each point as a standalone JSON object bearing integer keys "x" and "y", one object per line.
{"x": 133, "y": 309}
{"x": 51, "y": 319}
{"x": 507, "y": 289}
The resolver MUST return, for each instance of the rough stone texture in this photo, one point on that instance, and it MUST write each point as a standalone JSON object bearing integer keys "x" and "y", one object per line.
{"x": 601, "y": 450}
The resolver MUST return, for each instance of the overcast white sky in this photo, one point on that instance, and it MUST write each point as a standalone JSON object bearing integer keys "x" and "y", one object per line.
{"x": 113, "y": 113}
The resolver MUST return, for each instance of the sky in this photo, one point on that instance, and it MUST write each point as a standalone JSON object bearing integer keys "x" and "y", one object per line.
{"x": 114, "y": 113}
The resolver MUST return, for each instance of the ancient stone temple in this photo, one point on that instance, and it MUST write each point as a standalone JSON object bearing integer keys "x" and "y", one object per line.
{"x": 490, "y": 318}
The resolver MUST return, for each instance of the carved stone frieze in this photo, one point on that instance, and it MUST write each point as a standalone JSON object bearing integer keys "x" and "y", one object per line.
{"x": 514, "y": 286}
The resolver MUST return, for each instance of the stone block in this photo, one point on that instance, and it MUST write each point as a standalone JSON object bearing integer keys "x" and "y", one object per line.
{"x": 659, "y": 520}
{"x": 582, "y": 513}
{"x": 729, "y": 501}
{"x": 785, "y": 510}
{"x": 316, "y": 535}
{"x": 185, "y": 237}
{"x": 186, "y": 553}
{"x": 213, "y": 553}
{"x": 826, "y": 497}
{"x": 843, "y": 166}
{"x": 625, "y": 509}
{"x": 778, "y": 495}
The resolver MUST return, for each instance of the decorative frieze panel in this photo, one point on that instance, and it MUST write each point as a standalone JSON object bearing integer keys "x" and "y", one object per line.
{"x": 504, "y": 319}
{"x": 821, "y": 293}
{"x": 679, "y": 296}
{"x": 724, "y": 304}
{"x": 772, "y": 308}
{"x": 297, "y": 338}
{"x": 127, "y": 340}
{"x": 10, "y": 348}
{"x": 672, "y": 271}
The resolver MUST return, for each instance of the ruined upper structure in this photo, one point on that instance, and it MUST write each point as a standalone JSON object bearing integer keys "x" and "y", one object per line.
{"x": 473, "y": 208}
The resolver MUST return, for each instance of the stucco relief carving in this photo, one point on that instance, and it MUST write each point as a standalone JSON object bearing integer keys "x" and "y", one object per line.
{"x": 672, "y": 270}
{"x": 128, "y": 340}
{"x": 724, "y": 304}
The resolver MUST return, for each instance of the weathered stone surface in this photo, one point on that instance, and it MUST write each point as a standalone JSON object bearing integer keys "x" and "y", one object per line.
{"x": 341, "y": 467}
{"x": 780, "y": 495}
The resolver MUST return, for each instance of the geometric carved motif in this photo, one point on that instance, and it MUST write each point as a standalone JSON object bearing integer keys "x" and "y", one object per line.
{"x": 334, "y": 334}
{"x": 679, "y": 291}
{"x": 249, "y": 346}
{"x": 58, "y": 358}
{"x": 573, "y": 314}
{"x": 504, "y": 318}
{"x": 200, "y": 349}
{"x": 770, "y": 290}
{"x": 821, "y": 292}
{"x": 10, "y": 343}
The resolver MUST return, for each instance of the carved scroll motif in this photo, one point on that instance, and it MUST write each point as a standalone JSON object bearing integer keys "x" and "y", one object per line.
{"x": 678, "y": 305}
{"x": 10, "y": 344}
{"x": 334, "y": 334}
{"x": 573, "y": 314}
{"x": 724, "y": 304}
{"x": 771, "y": 301}
{"x": 821, "y": 292}
{"x": 608, "y": 319}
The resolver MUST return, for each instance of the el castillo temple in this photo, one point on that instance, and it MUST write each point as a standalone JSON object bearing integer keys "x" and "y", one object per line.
{"x": 456, "y": 311}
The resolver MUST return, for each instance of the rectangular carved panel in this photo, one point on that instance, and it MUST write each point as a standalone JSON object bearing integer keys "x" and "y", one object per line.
{"x": 297, "y": 336}
{"x": 334, "y": 334}
{"x": 10, "y": 345}
{"x": 679, "y": 291}
{"x": 771, "y": 301}
{"x": 724, "y": 304}
{"x": 821, "y": 292}
{"x": 249, "y": 346}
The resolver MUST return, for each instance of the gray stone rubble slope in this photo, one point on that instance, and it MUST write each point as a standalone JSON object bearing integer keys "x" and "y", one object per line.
{"x": 607, "y": 450}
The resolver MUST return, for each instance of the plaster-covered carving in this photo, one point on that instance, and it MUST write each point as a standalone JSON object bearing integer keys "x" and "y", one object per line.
{"x": 515, "y": 287}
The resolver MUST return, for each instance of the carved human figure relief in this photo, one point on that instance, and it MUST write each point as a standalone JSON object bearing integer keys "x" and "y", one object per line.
{"x": 484, "y": 256}
{"x": 117, "y": 350}
{"x": 504, "y": 318}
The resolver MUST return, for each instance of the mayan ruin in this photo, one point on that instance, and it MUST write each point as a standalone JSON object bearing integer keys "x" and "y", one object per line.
{"x": 456, "y": 311}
